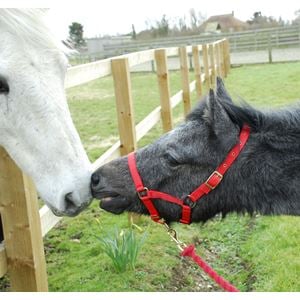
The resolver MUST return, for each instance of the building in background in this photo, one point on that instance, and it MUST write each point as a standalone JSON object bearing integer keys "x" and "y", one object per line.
{"x": 223, "y": 23}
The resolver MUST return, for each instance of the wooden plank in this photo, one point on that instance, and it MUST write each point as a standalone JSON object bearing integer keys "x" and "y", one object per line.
{"x": 224, "y": 59}
{"x": 184, "y": 70}
{"x": 48, "y": 219}
{"x": 22, "y": 228}
{"x": 164, "y": 88}
{"x": 84, "y": 73}
{"x": 206, "y": 66}
{"x": 138, "y": 58}
{"x": 222, "y": 69}
{"x": 87, "y": 72}
{"x": 172, "y": 51}
{"x": 217, "y": 54}
{"x": 122, "y": 84}
{"x": 113, "y": 152}
{"x": 148, "y": 123}
{"x": 3, "y": 260}
{"x": 197, "y": 70}
{"x": 227, "y": 57}
{"x": 212, "y": 65}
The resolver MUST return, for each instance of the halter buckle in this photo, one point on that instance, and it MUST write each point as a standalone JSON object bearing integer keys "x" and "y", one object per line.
{"x": 212, "y": 186}
{"x": 143, "y": 193}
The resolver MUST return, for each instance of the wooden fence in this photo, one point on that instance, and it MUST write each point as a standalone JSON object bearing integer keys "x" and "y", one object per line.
{"x": 22, "y": 254}
{"x": 248, "y": 40}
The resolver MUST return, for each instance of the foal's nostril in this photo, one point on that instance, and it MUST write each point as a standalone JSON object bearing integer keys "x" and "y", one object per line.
{"x": 95, "y": 179}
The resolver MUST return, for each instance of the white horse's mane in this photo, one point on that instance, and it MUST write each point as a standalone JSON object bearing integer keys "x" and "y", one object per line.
{"x": 30, "y": 25}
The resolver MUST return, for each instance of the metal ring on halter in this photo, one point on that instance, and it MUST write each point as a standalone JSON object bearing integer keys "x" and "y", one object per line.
{"x": 143, "y": 193}
{"x": 188, "y": 201}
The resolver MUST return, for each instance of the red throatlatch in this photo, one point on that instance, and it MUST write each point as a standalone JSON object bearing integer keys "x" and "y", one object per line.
{"x": 147, "y": 195}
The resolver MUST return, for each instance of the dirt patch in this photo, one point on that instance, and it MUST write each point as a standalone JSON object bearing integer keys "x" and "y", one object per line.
{"x": 187, "y": 277}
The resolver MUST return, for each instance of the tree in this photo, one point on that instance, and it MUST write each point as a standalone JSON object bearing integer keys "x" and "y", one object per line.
{"x": 76, "y": 34}
{"x": 196, "y": 19}
{"x": 133, "y": 33}
{"x": 182, "y": 24}
{"x": 260, "y": 21}
{"x": 297, "y": 20}
{"x": 163, "y": 26}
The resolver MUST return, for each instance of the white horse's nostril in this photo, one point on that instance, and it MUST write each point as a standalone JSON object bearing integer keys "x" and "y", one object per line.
{"x": 70, "y": 202}
{"x": 73, "y": 204}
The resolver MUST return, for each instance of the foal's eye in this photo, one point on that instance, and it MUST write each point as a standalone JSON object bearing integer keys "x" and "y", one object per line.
{"x": 4, "y": 87}
{"x": 171, "y": 160}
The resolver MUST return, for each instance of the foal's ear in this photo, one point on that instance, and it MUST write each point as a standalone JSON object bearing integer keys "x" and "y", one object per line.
{"x": 221, "y": 92}
{"x": 217, "y": 117}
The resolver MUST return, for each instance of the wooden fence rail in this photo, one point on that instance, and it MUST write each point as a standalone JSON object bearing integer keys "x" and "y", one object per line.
{"x": 22, "y": 255}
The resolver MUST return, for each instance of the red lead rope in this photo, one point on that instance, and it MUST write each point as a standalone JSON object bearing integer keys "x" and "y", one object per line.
{"x": 187, "y": 204}
{"x": 190, "y": 251}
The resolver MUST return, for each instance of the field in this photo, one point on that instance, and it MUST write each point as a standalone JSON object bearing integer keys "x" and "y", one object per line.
{"x": 254, "y": 253}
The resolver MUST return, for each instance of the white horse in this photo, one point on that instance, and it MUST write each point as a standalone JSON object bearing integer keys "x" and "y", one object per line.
{"x": 36, "y": 128}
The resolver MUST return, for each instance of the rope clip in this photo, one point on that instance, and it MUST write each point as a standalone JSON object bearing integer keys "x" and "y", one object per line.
{"x": 174, "y": 237}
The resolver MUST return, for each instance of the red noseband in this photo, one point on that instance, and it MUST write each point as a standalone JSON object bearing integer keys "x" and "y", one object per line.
{"x": 147, "y": 195}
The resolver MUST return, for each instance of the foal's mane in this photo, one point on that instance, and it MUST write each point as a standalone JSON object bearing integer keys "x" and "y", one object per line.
{"x": 259, "y": 120}
{"x": 30, "y": 25}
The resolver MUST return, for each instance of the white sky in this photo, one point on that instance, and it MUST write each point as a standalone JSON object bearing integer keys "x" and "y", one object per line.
{"x": 116, "y": 16}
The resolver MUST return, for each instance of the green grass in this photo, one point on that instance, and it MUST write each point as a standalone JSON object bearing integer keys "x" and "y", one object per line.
{"x": 255, "y": 254}
{"x": 273, "y": 252}
{"x": 266, "y": 85}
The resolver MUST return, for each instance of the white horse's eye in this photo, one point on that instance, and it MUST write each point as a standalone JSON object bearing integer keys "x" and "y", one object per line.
{"x": 4, "y": 87}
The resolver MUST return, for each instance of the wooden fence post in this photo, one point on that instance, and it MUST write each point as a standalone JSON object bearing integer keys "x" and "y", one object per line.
{"x": 224, "y": 58}
{"x": 127, "y": 133}
{"x": 164, "y": 89}
{"x": 222, "y": 69}
{"x": 212, "y": 65}
{"x": 227, "y": 57}
{"x": 270, "y": 48}
{"x": 197, "y": 70}
{"x": 122, "y": 84}
{"x": 22, "y": 228}
{"x": 217, "y": 53}
{"x": 184, "y": 68}
{"x": 206, "y": 66}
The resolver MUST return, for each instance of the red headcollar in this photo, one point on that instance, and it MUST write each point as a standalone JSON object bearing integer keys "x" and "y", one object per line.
{"x": 147, "y": 195}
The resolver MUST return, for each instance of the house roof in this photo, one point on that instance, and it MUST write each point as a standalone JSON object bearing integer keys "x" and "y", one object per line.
{"x": 226, "y": 21}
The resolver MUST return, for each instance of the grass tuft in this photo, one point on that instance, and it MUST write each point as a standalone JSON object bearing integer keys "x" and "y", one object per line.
{"x": 122, "y": 247}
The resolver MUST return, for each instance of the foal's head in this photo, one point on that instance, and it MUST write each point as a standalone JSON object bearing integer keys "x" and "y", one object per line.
{"x": 176, "y": 163}
{"x": 35, "y": 123}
